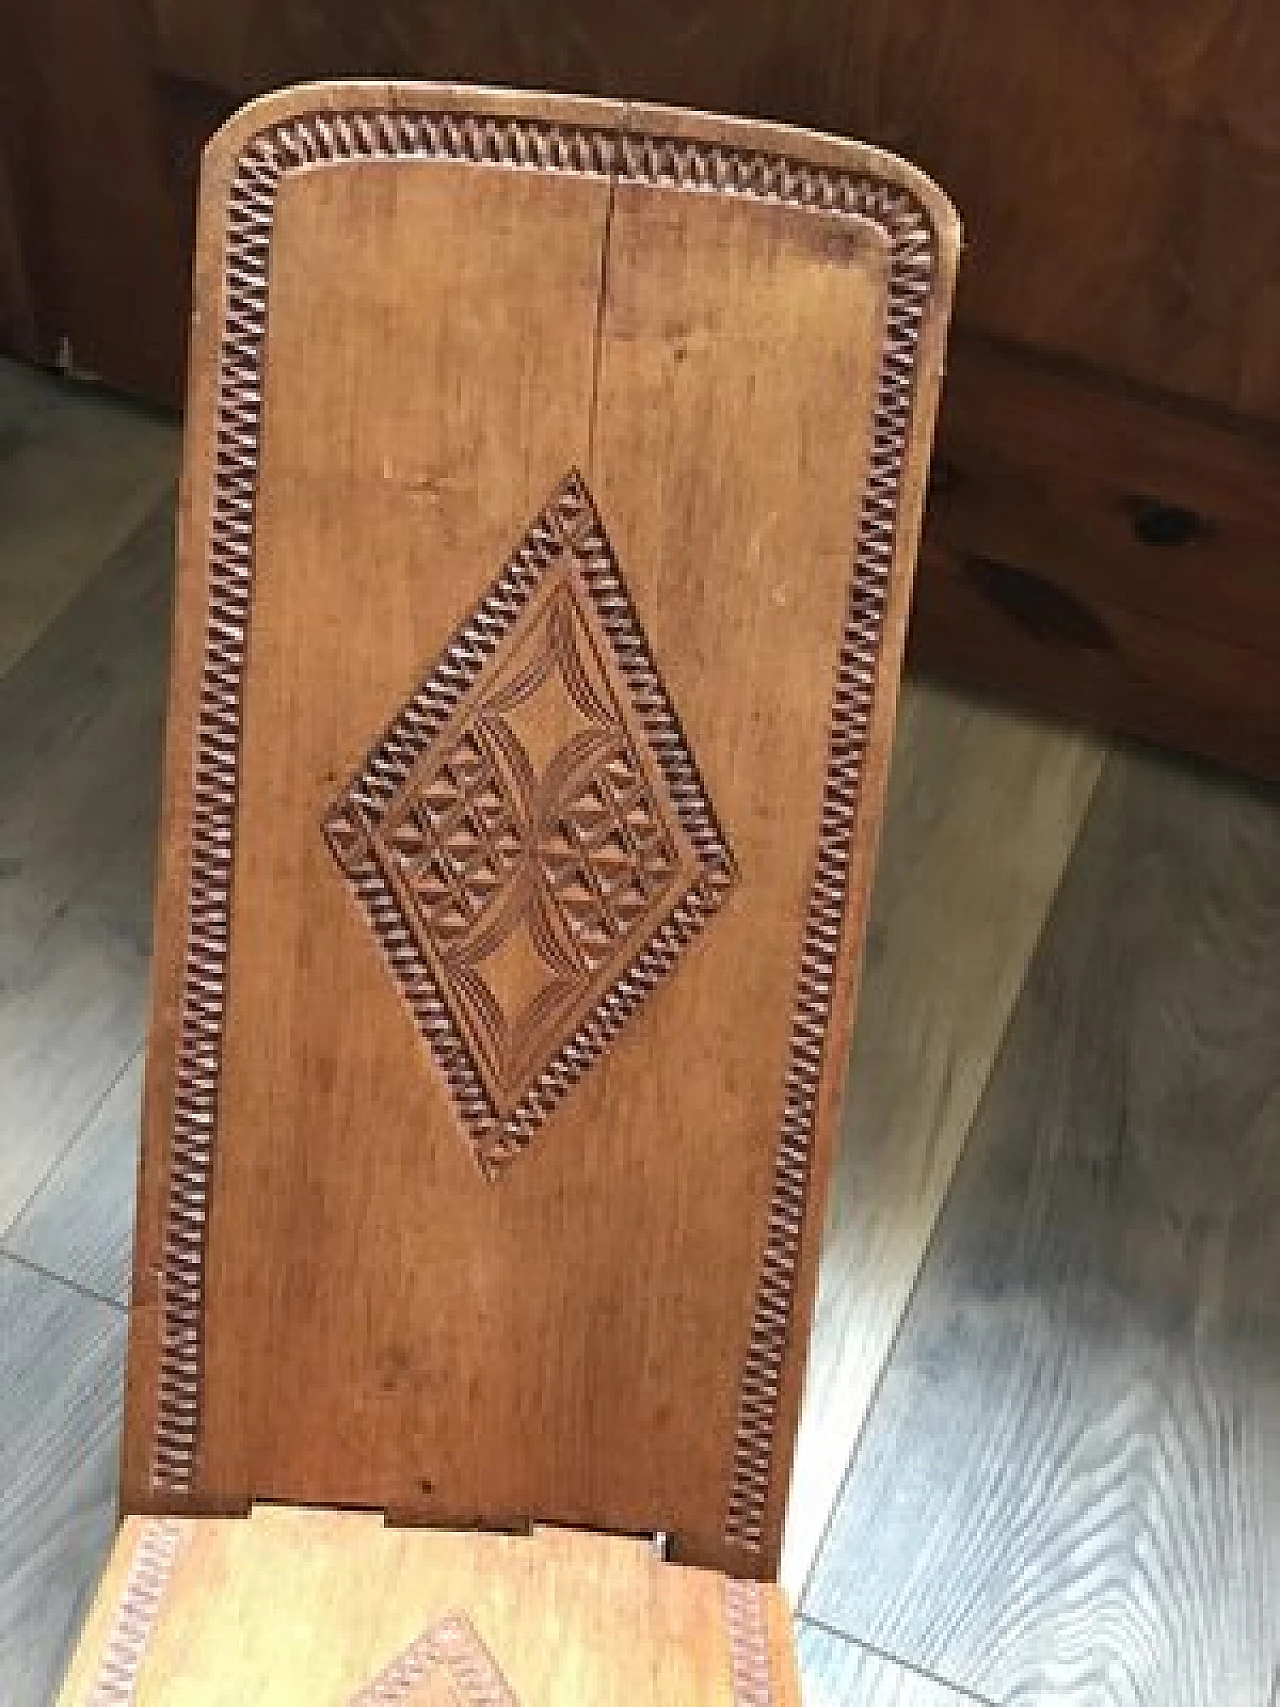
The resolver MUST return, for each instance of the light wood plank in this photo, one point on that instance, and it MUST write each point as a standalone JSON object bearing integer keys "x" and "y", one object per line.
{"x": 835, "y": 1672}
{"x": 1070, "y": 1485}
{"x": 984, "y": 807}
{"x": 79, "y": 1224}
{"x": 77, "y": 475}
{"x": 61, "y": 1368}
{"x": 298, "y": 1608}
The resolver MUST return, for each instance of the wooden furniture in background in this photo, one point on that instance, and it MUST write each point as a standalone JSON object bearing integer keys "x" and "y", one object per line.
{"x": 1108, "y": 539}
{"x": 536, "y": 656}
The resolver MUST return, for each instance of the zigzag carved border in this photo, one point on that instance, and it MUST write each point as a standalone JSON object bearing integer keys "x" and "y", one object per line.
{"x": 331, "y": 138}
{"x": 139, "y": 1607}
{"x": 747, "y": 1629}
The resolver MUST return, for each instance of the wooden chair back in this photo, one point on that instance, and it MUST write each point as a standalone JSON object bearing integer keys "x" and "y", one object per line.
{"x": 554, "y": 471}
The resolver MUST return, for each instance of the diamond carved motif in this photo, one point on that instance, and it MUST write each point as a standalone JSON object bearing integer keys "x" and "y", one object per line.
{"x": 530, "y": 840}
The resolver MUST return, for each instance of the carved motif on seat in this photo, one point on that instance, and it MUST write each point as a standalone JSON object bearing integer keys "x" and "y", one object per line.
{"x": 448, "y": 1666}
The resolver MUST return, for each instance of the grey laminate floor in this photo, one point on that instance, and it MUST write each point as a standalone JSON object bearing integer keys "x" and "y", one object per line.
{"x": 1040, "y": 1456}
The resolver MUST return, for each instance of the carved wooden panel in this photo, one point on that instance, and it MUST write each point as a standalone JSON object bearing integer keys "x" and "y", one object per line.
{"x": 306, "y": 1608}
{"x": 530, "y": 840}
{"x": 666, "y": 696}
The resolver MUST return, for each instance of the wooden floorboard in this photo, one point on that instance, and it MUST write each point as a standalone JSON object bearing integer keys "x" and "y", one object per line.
{"x": 81, "y": 715}
{"x": 835, "y": 1672}
{"x": 70, "y": 492}
{"x": 85, "y": 582}
{"x": 984, "y": 809}
{"x": 68, "y": 1026}
{"x": 61, "y": 1369}
{"x": 79, "y": 767}
{"x": 1069, "y": 1488}
{"x": 79, "y": 1223}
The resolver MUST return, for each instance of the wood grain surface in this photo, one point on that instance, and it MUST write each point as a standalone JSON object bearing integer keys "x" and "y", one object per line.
{"x": 948, "y": 751}
{"x": 982, "y": 814}
{"x": 96, "y": 237}
{"x": 1119, "y": 198}
{"x": 1070, "y": 1488}
{"x": 991, "y": 621}
{"x": 1135, "y": 503}
{"x": 1119, "y": 194}
{"x": 447, "y": 1663}
{"x": 576, "y": 1341}
{"x": 1078, "y": 184}
{"x": 1102, "y": 549}
{"x": 313, "y": 1607}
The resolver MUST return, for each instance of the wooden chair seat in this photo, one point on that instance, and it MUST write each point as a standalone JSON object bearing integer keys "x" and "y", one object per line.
{"x": 324, "y": 1608}
{"x": 554, "y": 471}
